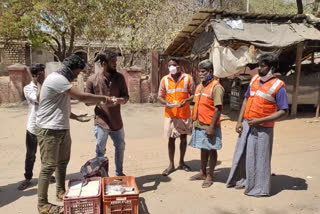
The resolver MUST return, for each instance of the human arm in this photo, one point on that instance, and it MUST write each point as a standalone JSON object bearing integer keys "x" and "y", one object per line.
{"x": 162, "y": 93}
{"x": 80, "y": 118}
{"x": 87, "y": 97}
{"x": 240, "y": 117}
{"x": 210, "y": 131}
{"x": 124, "y": 94}
{"x": 30, "y": 93}
{"x": 38, "y": 92}
{"x": 191, "y": 90}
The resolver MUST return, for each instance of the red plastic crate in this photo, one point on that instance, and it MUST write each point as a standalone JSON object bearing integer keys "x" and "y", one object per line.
{"x": 124, "y": 203}
{"x": 83, "y": 205}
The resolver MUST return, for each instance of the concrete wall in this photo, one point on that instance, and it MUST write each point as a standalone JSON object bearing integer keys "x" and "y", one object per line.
{"x": 11, "y": 87}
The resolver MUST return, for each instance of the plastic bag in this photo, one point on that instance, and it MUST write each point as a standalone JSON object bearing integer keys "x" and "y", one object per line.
{"x": 96, "y": 167}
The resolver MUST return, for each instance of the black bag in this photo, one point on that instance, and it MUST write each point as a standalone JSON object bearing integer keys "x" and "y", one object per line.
{"x": 96, "y": 167}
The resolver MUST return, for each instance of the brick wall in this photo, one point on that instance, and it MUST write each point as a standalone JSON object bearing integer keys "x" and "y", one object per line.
{"x": 11, "y": 53}
{"x": 139, "y": 89}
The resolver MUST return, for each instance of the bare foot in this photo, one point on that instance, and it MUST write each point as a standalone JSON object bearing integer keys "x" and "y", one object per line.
{"x": 198, "y": 176}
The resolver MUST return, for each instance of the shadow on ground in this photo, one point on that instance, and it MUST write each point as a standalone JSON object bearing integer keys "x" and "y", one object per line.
{"x": 196, "y": 164}
{"x": 10, "y": 192}
{"x": 285, "y": 182}
{"x": 143, "y": 209}
{"x": 148, "y": 183}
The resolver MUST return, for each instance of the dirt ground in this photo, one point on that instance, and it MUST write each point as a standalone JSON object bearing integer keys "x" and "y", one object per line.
{"x": 296, "y": 157}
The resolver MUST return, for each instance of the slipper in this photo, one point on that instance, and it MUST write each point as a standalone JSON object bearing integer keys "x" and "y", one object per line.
{"x": 239, "y": 186}
{"x": 184, "y": 167}
{"x": 230, "y": 185}
{"x": 167, "y": 172}
{"x": 207, "y": 184}
{"x": 50, "y": 209}
{"x": 197, "y": 177}
{"x": 60, "y": 196}
{"x": 24, "y": 185}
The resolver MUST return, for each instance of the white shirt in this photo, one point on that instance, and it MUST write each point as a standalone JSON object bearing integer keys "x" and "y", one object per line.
{"x": 30, "y": 93}
{"x": 54, "y": 108}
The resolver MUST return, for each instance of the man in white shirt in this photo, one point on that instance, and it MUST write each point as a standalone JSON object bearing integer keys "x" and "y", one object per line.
{"x": 31, "y": 93}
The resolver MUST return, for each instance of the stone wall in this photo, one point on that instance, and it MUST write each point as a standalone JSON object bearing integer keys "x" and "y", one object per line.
{"x": 11, "y": 53}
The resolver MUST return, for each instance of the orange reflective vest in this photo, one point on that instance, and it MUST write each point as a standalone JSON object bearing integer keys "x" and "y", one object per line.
{"x": 175, "y": 93}
{"x": 204, "y": 108}
{"x": 262, "y": 101}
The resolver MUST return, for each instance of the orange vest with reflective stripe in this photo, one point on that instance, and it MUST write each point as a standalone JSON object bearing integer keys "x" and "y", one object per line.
{"x": 262, "y": 101}
{"x": 175, "y": 93}
{"x": 204, "y": 108}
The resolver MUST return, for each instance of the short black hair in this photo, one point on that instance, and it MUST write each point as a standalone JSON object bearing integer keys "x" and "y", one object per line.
{"x": 206, "y": 64}
{"x": 174, "y": 59}
{"x": 269, "y": 59}
{"x": 105, "y": 56}
{"x": 35, "y": 69}
{"x": 74, "y": 62}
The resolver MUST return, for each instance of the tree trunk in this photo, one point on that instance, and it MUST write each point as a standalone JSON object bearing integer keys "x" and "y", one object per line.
{"x": 299, "y": 6}
{"x": 316, "y": 8}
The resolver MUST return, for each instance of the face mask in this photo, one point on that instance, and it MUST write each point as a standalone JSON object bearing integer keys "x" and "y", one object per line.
{"x": 209, "y": 78}
{"x": 267, "y": 76}
{"x": 172, "y": 69}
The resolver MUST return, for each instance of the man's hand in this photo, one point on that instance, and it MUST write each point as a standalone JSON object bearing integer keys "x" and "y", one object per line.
{"x": 120, "y": 100}
{"x": 82, "y": 118}
{"x": 239, "y": 127}
{"x": 183, "y": 102}
{"x": 169, "y": 105}
{"x": 253, "y": 122}
{"x": 210, "y": 131}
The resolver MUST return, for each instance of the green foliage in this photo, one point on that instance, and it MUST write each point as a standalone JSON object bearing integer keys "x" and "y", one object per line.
{"x": 142, "y": 24}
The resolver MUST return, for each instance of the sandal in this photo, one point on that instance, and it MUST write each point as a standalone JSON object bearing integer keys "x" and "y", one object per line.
{"x": 60, "y": 196}
{"x": 168, "y": 171}
{"x": 50, "y": 209}
{"x": 197, "y": 177}
{"x": 239, "y": 186}
{"x": 184, "y": 167}
{"x": 24, "y": 185}
{"x": 207, "y": 184}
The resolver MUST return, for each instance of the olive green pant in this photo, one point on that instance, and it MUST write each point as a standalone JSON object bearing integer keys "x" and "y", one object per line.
{"x": 55, "y": 147}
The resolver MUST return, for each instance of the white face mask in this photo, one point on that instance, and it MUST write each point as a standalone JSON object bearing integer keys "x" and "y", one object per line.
{"x": 172, "y": 69}
{"x": 267, "y": 76}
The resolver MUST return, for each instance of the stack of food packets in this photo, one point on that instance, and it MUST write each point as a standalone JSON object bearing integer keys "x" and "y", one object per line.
{"x": 77, "y": 189}
{"x": 118, "y": 190}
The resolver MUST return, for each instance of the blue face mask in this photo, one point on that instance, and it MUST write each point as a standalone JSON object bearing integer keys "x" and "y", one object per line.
{"x": 209, "y": 78}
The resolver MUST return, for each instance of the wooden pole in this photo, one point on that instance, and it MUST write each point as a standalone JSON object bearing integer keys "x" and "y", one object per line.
{"x": 295, "y": 92}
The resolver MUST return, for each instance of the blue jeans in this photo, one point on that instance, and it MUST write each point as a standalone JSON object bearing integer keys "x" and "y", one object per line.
{"x": 118, "y": 142}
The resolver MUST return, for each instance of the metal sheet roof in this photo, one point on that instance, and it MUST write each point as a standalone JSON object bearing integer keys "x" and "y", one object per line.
{"x": 183, "y": 42}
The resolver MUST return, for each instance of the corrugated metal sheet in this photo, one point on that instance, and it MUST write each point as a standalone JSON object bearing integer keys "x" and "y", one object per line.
{"x": 182, "y": 44}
